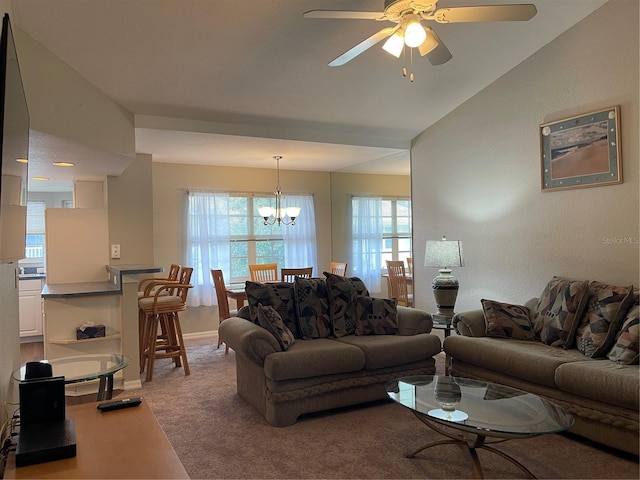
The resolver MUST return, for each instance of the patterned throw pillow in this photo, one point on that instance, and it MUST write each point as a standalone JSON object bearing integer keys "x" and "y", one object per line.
{"x": 627, "y": 345}
{"x": 507, "y": 321}
{"x": 376, "y": 316}
{"x": 312, "y": 302}
{"x": 343, "y": 292}
{"x": 600, "y": 324}
{"x": 559, "y": 310}
{"x": 270, "y": 320}
{"x": 278, "y": 295}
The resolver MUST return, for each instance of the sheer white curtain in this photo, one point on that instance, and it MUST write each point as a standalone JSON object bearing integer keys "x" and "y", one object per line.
{"x": 366, "y": 254}
{"x": 208, "y": 244}
{"x": 300, "y": 239}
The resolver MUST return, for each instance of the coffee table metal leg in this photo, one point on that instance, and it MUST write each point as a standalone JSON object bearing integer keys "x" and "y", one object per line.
{"x": 472, "y": 442}
{"x": 101, "y": 387}
{"x": 105, "y": 389}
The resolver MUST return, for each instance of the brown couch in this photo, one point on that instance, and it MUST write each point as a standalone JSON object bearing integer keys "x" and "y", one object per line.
{"x": 319, "y": 374}
{"x": 602, "y": 395}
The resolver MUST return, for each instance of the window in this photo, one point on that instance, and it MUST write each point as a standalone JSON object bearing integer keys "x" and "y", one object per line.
{"x": 396, "y": 230}
{"x": 381, "y": 231}
{"x": 252, "y": 242}
{"x": 35, "y": 231}
{"x": 226, "y": 232}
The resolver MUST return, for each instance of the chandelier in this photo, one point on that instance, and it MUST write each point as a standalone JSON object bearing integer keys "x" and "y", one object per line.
{"x": 280, "y": 215}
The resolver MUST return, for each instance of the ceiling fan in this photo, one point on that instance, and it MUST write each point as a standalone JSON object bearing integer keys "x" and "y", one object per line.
{"x": 408, "y": 16}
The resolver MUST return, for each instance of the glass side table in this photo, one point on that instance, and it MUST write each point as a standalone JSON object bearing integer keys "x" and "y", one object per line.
{"x": 443, "y": 322}
{"x": 84, "y": 368}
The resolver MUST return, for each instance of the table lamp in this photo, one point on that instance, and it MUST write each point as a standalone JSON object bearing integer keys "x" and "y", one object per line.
{"x": 444, "y": 254}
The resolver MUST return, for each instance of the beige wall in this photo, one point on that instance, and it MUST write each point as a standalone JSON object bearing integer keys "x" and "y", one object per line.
{"x": 131, "y": 213}
{"x": 476, "y": 173}
{"x": 171, "y": 183}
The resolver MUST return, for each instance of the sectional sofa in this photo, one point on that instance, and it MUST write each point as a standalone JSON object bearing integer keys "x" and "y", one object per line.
{"x": 576, "y": 345}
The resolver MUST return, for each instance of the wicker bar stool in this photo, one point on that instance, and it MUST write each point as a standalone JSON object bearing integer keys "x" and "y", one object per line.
{"x": 150, "y": 289}
{"x": 161, "y": 316}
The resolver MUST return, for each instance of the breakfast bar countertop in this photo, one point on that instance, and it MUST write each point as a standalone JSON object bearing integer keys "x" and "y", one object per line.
{"x": 81, "y": 289}
{"x": 112, "y": 286}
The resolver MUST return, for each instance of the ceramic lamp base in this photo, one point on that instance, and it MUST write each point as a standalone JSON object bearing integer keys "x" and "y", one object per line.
{"x": 445, "y": 291}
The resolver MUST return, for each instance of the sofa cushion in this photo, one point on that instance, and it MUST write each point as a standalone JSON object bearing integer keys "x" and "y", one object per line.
{"x": 627, "y": 345}
{"x": 528, "y": 361}
{"x": 343, "y": 292}
{"x": 507, "y": 321}
{"x": 385, "y": 351}
{"x": 270, "y": 320}
{"x": 602, "y": 381}
{"x": 279, "y": 295}
{"x": 309, "y": 358}
{"x": 376, "y": 316}
{"x": 312, "y": 304}
{"x": 558, "y": 311}
{"x": 601, "y": 321}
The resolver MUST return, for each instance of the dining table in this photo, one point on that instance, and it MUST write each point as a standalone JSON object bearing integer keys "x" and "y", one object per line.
{"x": 237, "y": 293}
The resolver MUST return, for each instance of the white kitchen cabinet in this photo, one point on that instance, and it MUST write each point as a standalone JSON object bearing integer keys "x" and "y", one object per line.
{"x": 30, "y": 304}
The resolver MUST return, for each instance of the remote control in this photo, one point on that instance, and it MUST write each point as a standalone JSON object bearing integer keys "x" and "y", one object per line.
{"x": 118, "y": 404}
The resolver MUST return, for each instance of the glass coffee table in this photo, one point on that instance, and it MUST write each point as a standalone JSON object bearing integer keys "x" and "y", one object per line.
{"x": 84, "y": 368}
{"x": 476, "y": 413}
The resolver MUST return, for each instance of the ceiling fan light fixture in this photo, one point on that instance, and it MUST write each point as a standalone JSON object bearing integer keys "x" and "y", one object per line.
{"x": 414, "y": 33}
{"x": 394, "y": 44}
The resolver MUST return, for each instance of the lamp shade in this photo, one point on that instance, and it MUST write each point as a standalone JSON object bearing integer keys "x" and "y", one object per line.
{"x": 394, "y": 44}
{"x": 443, "y": 253}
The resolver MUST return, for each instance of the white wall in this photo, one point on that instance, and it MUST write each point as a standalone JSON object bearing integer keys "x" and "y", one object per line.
{"x": 476, "y": 173}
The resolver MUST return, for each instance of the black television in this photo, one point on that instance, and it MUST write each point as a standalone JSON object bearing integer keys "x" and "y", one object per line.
{"x": 14, "y": 138}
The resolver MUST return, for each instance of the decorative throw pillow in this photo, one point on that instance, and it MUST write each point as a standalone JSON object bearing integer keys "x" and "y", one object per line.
{"x": 627, "y": 346}
{"x": 507, "y": 321}
{"x": 601, "y": 321}
{"x": 279, "y": 295}
{"x": 312, "y": 302}
{"x": 343, "y": 292}
{"x": 559, "y": 310}
{"x": 376, "y": 316}
{"x": 270, "y": 320}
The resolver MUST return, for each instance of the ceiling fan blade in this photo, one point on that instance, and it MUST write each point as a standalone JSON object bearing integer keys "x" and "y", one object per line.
{"x": 434, "y": 49}
{"x": 486, "y": 13}
{"x": 342, "y": 14}
{"x": 362, "y": 46}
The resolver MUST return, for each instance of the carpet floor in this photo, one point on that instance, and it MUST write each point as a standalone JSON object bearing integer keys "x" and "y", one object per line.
{"x": 216, "y": 434}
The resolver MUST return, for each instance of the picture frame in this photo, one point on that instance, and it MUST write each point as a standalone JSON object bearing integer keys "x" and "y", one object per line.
{"x": 581, "y": 151}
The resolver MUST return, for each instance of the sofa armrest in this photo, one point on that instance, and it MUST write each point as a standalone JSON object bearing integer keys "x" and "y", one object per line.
{"x": 470, "y": 324}
{"x": 412, "y": 321}
{"x": 248, "y": 339}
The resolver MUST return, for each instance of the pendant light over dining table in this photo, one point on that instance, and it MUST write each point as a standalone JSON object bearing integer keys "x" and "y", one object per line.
{"x": 286, "y": 215}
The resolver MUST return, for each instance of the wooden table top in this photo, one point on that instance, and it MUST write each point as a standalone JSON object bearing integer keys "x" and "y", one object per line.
{"x": 127, "y": 443}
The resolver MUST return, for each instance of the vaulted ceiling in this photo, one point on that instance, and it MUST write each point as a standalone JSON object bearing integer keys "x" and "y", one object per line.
{"x": 234, "y": 82}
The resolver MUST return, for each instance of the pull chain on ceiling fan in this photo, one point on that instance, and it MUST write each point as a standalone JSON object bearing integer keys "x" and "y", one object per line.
{"x": 409, "y": 32}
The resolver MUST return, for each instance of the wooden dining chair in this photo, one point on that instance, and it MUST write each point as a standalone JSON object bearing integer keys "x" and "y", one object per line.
{"x": 338, "y": 268}
{"x": 267, "y": 272}
{"x": 410, "y": 265}
{"x": 223, "y": 302}
{"x": 290, "y": 274}
{"x": 397, "y": 283}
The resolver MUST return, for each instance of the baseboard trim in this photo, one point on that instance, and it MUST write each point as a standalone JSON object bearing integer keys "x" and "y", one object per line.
{"x": 207, "y": 334}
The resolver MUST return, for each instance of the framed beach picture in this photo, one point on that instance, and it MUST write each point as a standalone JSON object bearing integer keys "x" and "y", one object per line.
{"x": 582, "y": 151}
